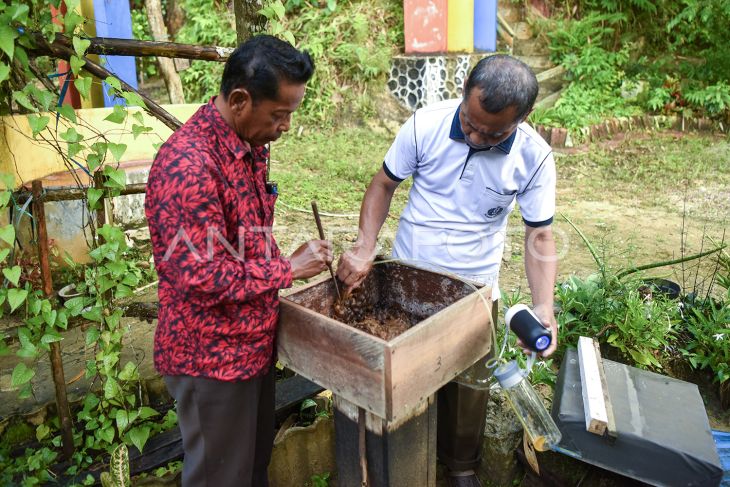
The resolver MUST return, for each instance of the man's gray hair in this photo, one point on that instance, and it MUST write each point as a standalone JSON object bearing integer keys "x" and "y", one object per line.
{"x": 504, "y": 81}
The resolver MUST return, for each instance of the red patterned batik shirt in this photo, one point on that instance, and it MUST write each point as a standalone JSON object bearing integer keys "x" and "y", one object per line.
{"x": 220, "y": 270}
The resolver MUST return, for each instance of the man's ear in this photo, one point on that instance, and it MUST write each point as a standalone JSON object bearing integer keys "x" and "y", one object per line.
{"x": 527, "y": 116}
{"x": 239, "y": 100}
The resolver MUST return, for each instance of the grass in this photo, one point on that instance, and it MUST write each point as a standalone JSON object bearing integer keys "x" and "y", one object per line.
{"x": 334, "y": 168}
{"x": 655, "y": 162}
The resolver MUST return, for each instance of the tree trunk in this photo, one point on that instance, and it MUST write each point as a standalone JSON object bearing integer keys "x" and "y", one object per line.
{"x": 174, "y": 17}
{"x": 248, "y": 20}
{"x": 167, "y": 66}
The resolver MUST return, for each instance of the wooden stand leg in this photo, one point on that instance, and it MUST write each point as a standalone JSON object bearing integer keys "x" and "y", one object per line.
{"x": 398, "y": 454}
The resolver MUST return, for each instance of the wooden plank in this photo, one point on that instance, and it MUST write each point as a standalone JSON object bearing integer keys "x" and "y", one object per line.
{"x": 291, "y": 392}
{"x": 610, "y": 419}
{"x": 550, "y": 73}
{"x": 138, "y": 48}
{"x": 593, "y": 395}
{"x": 397, "y": 455}
{"x": 339, "y": 357}
{"x": 549, "y": 100}
{"x": 441, "y": 348}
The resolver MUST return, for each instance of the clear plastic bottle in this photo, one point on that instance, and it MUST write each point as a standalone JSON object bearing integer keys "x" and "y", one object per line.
{"x": 527, "y": 405}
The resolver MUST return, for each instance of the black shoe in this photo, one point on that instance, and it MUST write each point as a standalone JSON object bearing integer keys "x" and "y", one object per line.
{"x": 463, "y": 479}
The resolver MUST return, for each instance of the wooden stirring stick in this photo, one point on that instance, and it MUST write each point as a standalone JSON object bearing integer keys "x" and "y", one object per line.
{"x": 321, "y": 237}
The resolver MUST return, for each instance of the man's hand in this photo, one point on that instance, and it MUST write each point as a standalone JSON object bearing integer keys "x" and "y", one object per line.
{"x": 354, "y": 266}
{"x": 310, "y": 259}
{"x": 547, "y": 318}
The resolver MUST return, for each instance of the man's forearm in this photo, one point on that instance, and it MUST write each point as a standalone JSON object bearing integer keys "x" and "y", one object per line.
{"x": 374, "y": 210}
{"x": 541, "y": 266}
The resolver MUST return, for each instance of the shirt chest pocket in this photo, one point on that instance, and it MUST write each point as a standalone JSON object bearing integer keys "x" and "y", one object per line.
{"x": 494, "y": 206}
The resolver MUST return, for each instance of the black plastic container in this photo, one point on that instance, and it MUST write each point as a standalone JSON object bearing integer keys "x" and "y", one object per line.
{"x": 528, "y": 328}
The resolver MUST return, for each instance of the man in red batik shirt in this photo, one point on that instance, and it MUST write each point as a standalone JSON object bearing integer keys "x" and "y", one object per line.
{"x": 210, "y": 212}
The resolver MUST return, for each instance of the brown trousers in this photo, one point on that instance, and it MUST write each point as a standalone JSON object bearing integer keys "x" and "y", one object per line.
{"x": 227, "y": 429}
{"x": 462, "y": 414}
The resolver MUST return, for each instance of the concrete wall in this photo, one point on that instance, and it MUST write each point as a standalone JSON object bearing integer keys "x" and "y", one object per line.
{"x": 29, "y": 159}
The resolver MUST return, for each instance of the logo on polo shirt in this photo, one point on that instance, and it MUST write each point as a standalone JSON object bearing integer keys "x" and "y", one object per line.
{"x": 496, "y": 211}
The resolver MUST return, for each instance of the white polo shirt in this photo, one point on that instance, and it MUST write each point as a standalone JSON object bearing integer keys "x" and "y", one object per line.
{"x": 456, "y": 215}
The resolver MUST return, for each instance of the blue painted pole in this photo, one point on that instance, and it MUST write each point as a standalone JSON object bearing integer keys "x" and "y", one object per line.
{"x": 113, "y": 19}
{"x": 485, "y": 25}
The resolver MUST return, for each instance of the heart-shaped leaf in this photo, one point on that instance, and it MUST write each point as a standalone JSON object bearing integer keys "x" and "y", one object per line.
{"x": 106, "y": 434}
{"x": 4, "y": 72}
{"x": 8, "y": 180}
{"x": 18, "y": 12}
{"x": 114, "y": 83}
{"x": 133, "y": 99}
{"x": 67, "y": 112}
{"x": 51, "y": 338}
{"x": 42, "y": 431}
{"x": 139, "y": 129}
{"x": 83, "y": 85}
{"x": 50, "y": 317}
{"x": 22, "y": 99}
{"x": 71, "y": 135}
{"x": 138, "y": 436}
{"x": 147, "y": 412}
{"x": 92, "y": 335}
{"x": 81, "y": 45}
{"x": 21, "y": 375}
{"x": 122, "y": 420}
{"x": 38, "y": 123}
{"x": 118, "y": 114}
{"x": 117, "y": 151}
{"x": 93, "y": 161}
{"x": 7, "y": 39}
{"x": 71, "y": 20}
{"x": 76, "y": 64}
{"x": 12, "y": 274}
{"x": 7, "y": 233}
{"x": 16, "y": 297}
{"x": 93, "y": 196}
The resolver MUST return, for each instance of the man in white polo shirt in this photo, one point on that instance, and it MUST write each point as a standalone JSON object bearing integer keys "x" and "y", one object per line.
{"x": 471, "y": 160}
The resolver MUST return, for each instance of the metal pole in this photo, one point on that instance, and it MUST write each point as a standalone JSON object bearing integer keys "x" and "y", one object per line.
{"x": 59, "y": 380}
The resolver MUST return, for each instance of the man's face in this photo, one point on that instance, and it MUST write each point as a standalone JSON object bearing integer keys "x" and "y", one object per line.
{"x": 483, "y": 129}
{"x": 263, "y": 122}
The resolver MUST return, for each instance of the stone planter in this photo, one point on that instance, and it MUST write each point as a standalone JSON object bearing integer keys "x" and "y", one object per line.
{"x": 301, "y": 452}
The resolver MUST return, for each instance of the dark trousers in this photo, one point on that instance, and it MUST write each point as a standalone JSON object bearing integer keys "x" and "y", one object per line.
{"x": 227, "y": 429}
{"x": 462, "y": 415}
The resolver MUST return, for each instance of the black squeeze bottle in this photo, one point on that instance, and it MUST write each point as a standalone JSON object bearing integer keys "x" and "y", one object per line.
{"x": 528, "y": 328}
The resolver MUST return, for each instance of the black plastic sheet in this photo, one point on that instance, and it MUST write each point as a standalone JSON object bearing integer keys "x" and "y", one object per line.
{"x": 664, "y": 436}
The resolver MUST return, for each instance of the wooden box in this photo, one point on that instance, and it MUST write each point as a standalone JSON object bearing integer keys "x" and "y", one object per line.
{"x": 387, "y": 378}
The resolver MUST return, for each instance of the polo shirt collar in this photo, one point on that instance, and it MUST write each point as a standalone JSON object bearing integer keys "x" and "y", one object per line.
{"x": 225, "y": 132}
{"x": 457, "y": 133}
